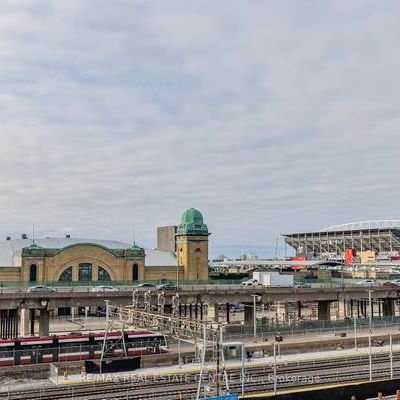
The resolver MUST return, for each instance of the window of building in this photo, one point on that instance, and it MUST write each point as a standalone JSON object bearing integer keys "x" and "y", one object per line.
{"x": 66, "y": 275}
{"x": 103, "y": 275}
{"x": 32, "y": 273}
{"x": 135, "y": 272}
{"x": 85, "y": 272}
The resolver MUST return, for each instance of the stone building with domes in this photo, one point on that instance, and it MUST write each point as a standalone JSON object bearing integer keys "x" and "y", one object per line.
{"x": 69, "y": 260}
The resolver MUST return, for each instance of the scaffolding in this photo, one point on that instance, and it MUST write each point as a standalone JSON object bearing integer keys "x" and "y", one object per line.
{"x": 204, "y": 335}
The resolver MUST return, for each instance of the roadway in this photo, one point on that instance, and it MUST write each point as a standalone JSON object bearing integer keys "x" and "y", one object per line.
{"x": 190, "y": 294}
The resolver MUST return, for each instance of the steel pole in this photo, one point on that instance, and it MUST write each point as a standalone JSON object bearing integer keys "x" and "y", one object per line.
{"x": 275, "y": 368}
{"x": 391, "y": 355}
{"x": 370, "y": 358}
{"x": 243, "y": 376}
{"x": 355, "y": 333}
{"x": 370, "y": 311}
{"x": 254, "y": 318}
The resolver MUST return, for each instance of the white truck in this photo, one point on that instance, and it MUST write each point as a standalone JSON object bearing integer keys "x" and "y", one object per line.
{"x": 273, "y": 279}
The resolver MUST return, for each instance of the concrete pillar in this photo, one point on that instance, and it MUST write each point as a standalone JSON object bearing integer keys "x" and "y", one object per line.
{"x": 388, "y": 308}
{"x": 282, "y": 311}
{"x": 248, "y": 314}
{"x": 299, "y": 309}
{"x": 44, "y": 321}
{"x": 342, "y": 309}
{"x": 324, "y": 310}
{"x": 73, "y": 311}
{"x": 32, "y": 314}
{"x": 212, "y": 312}
{"x": 24, "y": 325}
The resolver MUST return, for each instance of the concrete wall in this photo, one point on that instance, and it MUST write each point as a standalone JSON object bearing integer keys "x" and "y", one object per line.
{"x": 166, "y": 238}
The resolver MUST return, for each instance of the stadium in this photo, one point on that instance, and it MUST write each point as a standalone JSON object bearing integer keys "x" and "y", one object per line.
{"x": 368, "y": 240}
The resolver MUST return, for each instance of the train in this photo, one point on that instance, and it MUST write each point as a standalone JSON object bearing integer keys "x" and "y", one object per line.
{"x": 80, "y": 346}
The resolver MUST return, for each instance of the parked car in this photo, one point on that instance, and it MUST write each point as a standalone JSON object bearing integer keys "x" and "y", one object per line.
{"x": 104, "y": 289}
{"x": 251, "y": 282}
{"x": 366, "y": 282}
{"x": 40, "y": 289}
{"x": 165, "y": 286}
{"x": 145, "y": 285}
{"x": 303, "y": 285}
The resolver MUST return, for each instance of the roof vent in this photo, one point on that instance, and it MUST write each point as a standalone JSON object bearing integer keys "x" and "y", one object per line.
{"x": 24, "y": 236}
{"x": 8, "y": 238}
{"x": 68, "y": 236}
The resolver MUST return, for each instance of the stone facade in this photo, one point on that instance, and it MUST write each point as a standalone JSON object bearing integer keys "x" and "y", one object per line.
{"x": 192, "y": 256}
{"x": 51, "y": 263}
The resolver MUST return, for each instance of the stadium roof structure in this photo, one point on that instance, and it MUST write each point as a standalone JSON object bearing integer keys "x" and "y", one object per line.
{"x": 356, "y": 226}
{"x": 378, "y": 236}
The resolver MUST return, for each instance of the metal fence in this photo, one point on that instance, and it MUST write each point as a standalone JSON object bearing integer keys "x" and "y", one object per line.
{"x": 308, "y": 328}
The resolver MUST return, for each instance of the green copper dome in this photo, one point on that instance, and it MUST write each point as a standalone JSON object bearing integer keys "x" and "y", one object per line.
{"x": 34, "y": 246}
{"x": 192, "y": 223}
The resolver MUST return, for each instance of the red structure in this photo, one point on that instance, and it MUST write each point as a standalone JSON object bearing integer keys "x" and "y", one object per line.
{"x": 348, "y": 256}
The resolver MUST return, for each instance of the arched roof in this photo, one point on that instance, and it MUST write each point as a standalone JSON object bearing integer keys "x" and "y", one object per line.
{"x": 354, "y": 226}
{"x": 10, "y": 250}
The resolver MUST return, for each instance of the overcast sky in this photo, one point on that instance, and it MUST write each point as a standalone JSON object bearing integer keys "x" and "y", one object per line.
{"x": 268, "y": 116}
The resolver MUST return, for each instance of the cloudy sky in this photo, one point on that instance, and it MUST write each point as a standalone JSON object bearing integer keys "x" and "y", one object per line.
{"x": 268, "y": 116}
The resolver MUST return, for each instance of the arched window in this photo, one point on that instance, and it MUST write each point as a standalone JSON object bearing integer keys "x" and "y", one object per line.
{"x": 135, "y": 272}
{"x": 32, "y": 273}
{"x": 85, "y": 272}
{"x": 103, "y": 275}
{"x": 66, "y": 275}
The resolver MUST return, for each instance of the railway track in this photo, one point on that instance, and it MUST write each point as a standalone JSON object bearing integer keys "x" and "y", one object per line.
{"x": 334, "y": 371}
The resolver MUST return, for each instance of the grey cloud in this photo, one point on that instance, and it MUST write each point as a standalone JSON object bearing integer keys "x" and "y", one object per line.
{"x": 269, "y": 116}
